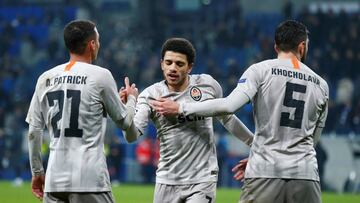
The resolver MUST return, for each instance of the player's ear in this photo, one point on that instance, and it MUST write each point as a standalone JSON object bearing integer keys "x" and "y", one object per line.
{"x": 190, "y": 67}
{"x": 302, "y": 48}
{"x": 276, "y": 48}
{"x": 162, "y": 64}
{"x": 92, "y": 45}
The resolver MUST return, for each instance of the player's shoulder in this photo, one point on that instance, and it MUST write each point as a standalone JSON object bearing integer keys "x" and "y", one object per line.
{"x": 50, "y": 73}
{"x": 322, "y": 82}
{"x": 324, "y": 86}
{"x": 85, "y": 67}
{"x": 202, "y": 78}
{"x": 97, "y": 74}
{"x": 262, "y": 65}
{"x": 206, "y": 81}
{"x": 96, "y": 70}
{"x": 267, "y": 64}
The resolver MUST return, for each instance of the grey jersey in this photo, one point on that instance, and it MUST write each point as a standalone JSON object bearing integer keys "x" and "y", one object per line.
{"x": 290, "y": 101}
{"x": 187, "y": 147}
{"x": 72, "y": 106}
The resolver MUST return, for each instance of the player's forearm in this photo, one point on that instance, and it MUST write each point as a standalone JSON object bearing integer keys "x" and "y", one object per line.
{"x": 132, "y": 133}
{"x": 237, "y": 128}
{"x": 35, "y": 157}
{"x": 216, "y": 107}
{"x": 126, "y": 122}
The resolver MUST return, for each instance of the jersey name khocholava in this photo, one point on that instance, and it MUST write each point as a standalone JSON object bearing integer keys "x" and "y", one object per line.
{"x": 295, "y": 74}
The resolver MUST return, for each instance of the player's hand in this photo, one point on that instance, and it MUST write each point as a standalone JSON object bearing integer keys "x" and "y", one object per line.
{"x": 123, "y": 95}
{"x": 239, "y": 169}
{"x": 165, "y": 106}
{"x": 37, "y": 186}
{"x": 130, "y": 90}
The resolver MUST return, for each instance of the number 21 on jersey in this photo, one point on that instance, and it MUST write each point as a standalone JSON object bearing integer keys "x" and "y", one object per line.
{"x": 74, "y": 95}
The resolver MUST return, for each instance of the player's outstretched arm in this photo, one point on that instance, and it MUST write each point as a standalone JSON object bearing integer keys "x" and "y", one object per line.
{"x": 216, "y": 107}
{"x": 208, "y": 108}
{"x": 128, "y": 90}
{"x": 121, "y": 114}
{"x": 129, "y": 96}
{"x": 165, "y": 106}
{"x": 132, "y": 133}
{"x": 237, "y": 128}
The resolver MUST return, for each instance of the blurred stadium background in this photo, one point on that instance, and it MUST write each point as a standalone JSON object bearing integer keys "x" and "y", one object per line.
{"x": 229, "y": 35}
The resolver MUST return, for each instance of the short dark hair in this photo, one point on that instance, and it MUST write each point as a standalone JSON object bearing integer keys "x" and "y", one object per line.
{"x": 289, "y": 34}
{"x": 179, "y": 45}
{"x": 77, "y": 34}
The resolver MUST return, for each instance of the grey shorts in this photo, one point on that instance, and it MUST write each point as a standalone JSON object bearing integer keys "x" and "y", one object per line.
{"x": 273, "y": 190}
{"x": 78, "y": 197}
{"x": 191, "y": 193}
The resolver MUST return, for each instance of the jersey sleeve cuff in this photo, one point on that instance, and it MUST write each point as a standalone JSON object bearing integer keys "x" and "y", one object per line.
{"x": 38, "y": 173}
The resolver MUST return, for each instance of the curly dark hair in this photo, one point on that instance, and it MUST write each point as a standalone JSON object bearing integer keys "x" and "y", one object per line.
{"x": 179, "y": 45}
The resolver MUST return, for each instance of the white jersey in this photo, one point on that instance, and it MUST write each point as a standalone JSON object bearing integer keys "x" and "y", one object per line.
{"x": 73, "y": 105}
{"x": 187, "y": 146}
{"x": 290, "y": 101}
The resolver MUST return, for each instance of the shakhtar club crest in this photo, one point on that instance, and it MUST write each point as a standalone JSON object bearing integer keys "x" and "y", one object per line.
{"x": 195, "y": 93}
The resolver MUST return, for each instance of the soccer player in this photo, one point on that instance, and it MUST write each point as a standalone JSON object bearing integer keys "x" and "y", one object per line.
{"x": 73, "y": 100}
{"x": 187, "y": 169}
{"x": 290, "y": 108}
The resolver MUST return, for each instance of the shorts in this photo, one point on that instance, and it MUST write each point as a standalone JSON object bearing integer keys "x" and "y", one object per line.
{"x": 276, "y": 190}
{"x": 191, "y": 193}
{"x": 78, "y": 197}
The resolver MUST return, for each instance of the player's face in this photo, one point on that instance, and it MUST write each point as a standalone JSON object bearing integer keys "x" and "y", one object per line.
{"x": 95, "y": 45}
{"x": 176, "y": 70}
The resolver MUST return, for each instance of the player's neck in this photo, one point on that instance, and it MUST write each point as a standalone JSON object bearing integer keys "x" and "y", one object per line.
{"x": 80, "y": 58}
{"x": 180, "y": 87}
{"x": 288, "y": 55}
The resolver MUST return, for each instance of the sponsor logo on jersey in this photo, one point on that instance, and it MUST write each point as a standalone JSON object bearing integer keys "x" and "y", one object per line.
{"x": 195, "y": 93}
{"x": 242, "y": 80}
{"x": 190, "y": 118}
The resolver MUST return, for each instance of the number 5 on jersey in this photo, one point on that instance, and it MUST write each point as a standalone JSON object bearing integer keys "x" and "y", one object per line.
{"x": 289, "y": 101}
{"x": 73, "y": 130}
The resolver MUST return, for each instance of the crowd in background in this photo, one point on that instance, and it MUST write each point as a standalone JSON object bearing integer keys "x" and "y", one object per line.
{"x": 226, "y": 44}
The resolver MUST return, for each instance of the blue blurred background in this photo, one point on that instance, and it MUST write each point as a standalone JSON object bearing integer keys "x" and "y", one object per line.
{"x": 228, "y": 35}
